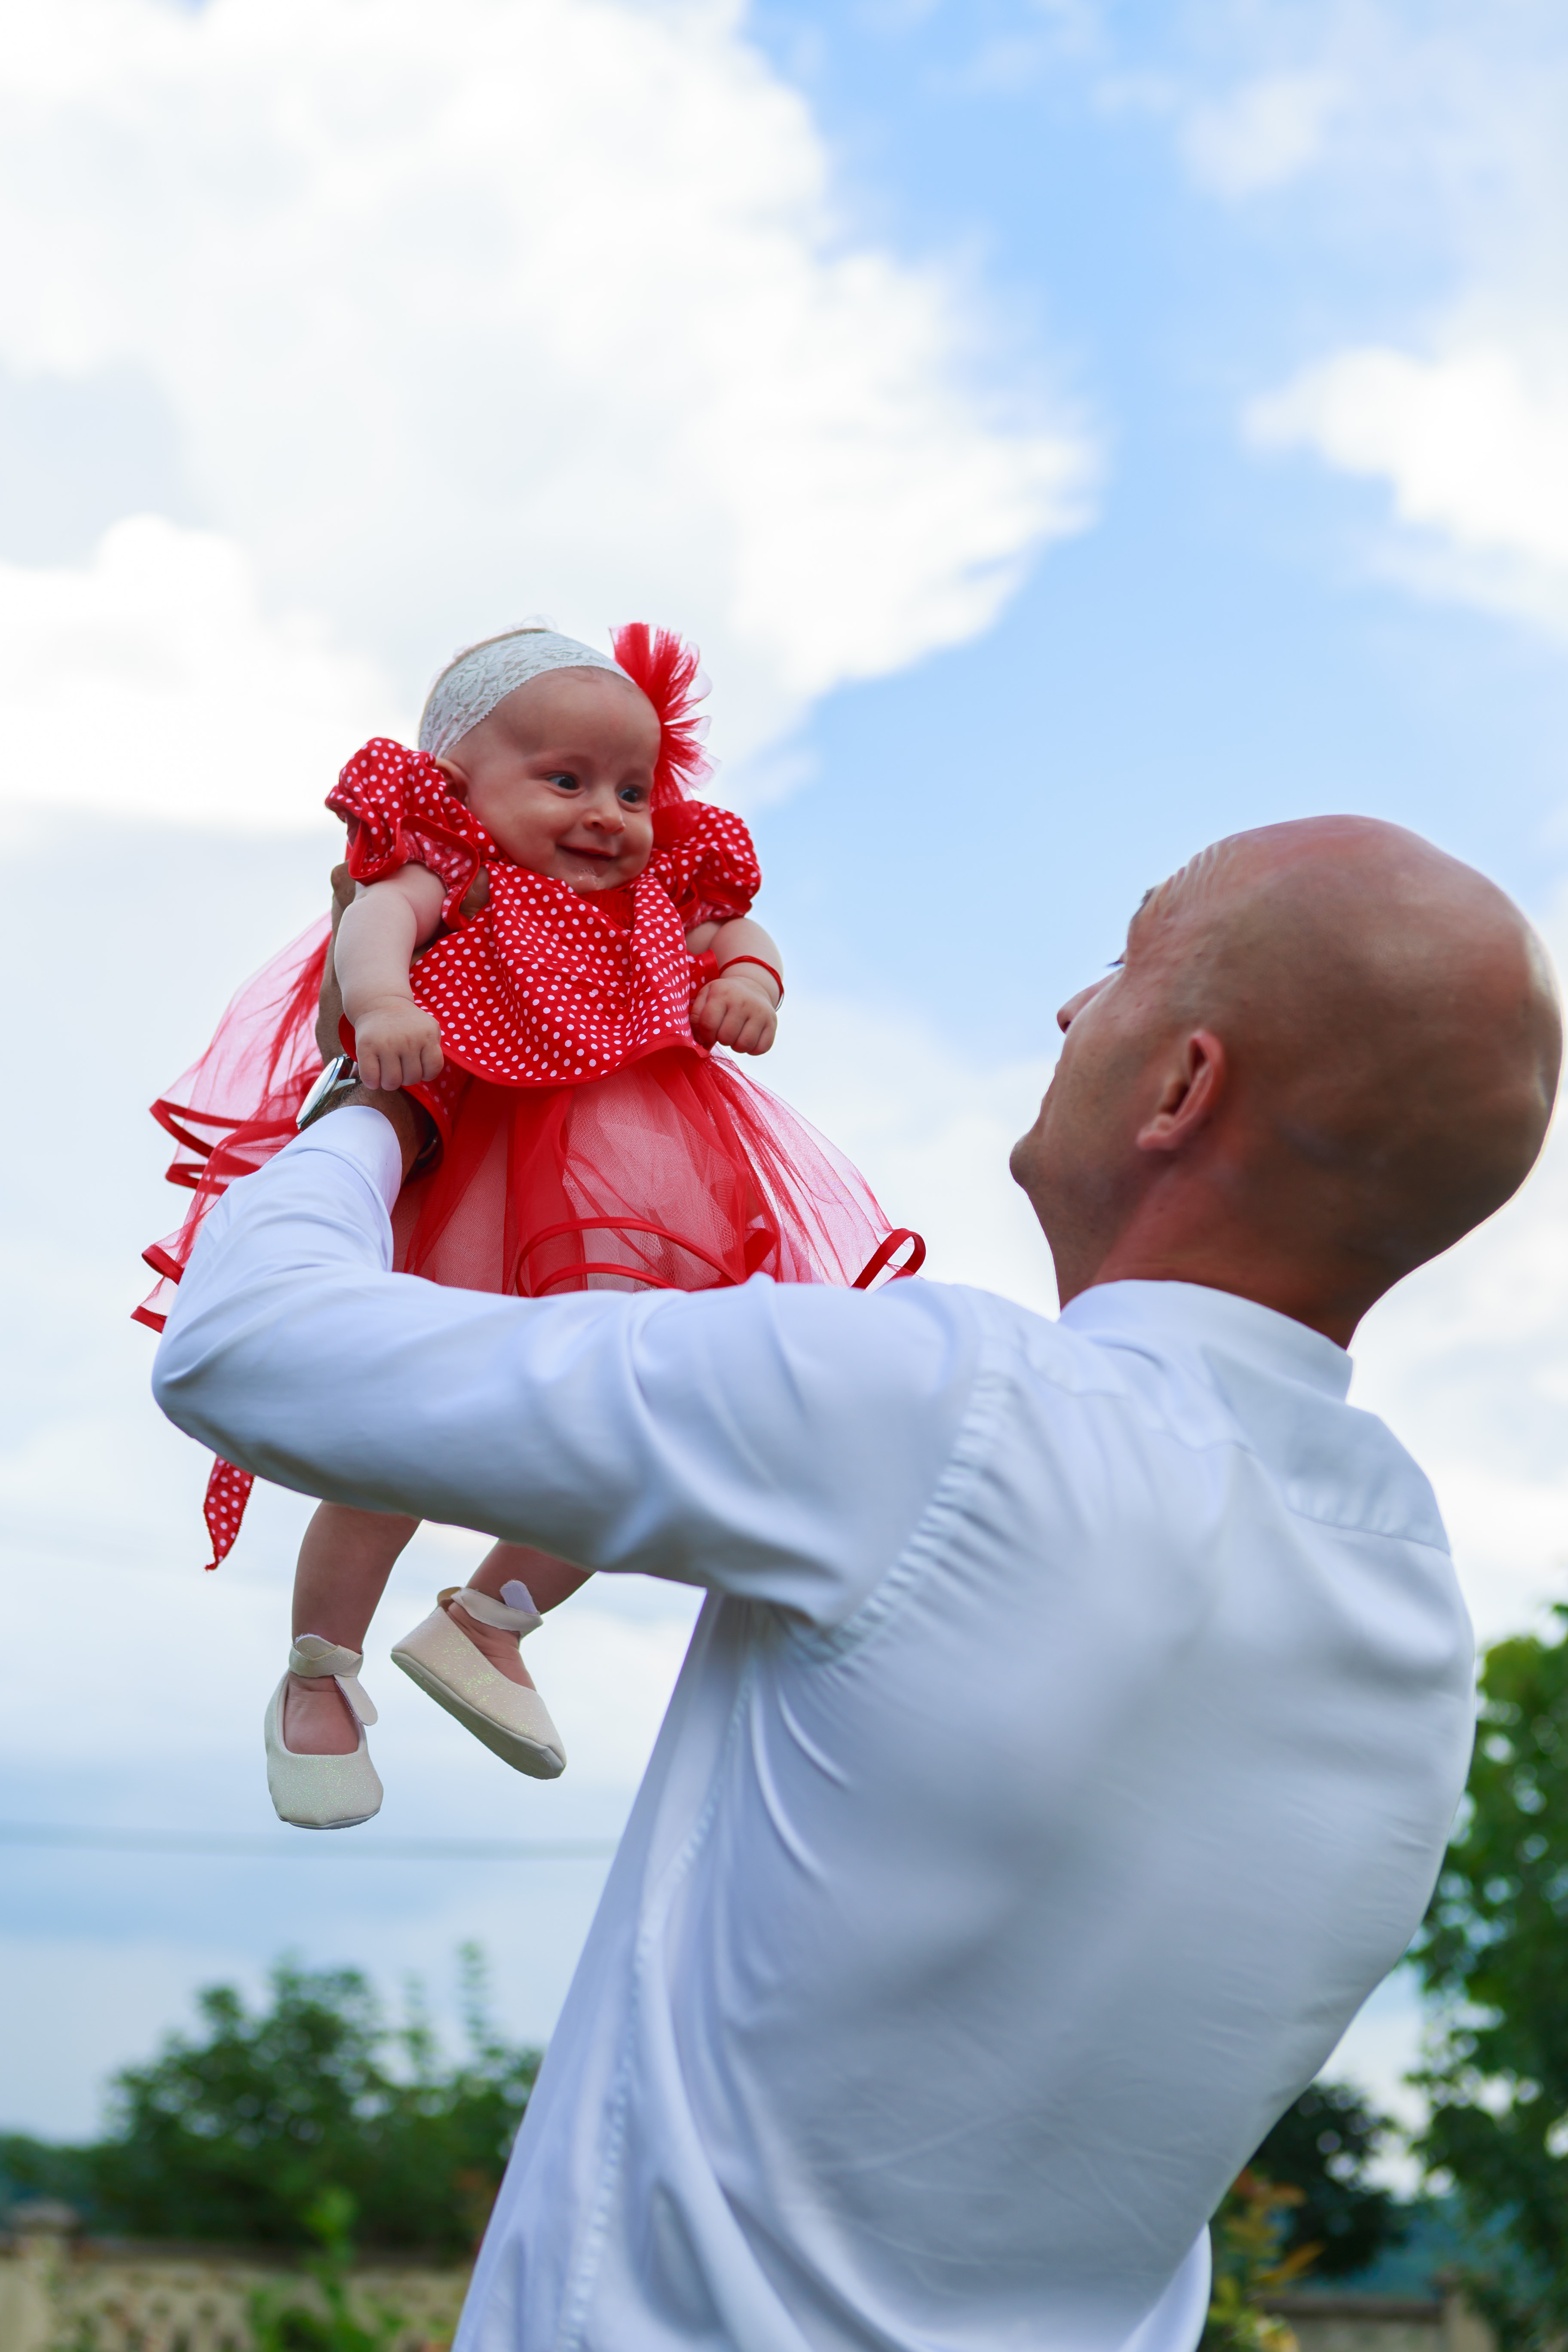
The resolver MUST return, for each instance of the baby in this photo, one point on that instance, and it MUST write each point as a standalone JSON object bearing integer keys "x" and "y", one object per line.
{"x": 548, "y": 939}
{"x": 560, "y": 777}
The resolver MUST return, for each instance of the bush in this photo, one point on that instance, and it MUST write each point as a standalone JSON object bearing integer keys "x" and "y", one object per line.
{"x": 281, "y": 2322}
{"x": 1250, "y": 2263}
{"x": 238, "y": 2135}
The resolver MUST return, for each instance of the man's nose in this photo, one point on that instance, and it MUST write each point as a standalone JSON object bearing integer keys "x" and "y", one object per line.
{"x": 1075, "y": 1005}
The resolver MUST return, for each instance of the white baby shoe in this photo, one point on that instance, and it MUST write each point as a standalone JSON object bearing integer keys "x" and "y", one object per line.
{"x": 323, "y": 1792}
{"x": 510, "y": 1719}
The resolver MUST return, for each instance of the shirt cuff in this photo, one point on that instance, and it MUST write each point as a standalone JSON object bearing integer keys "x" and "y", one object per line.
{"x": 366, "y": 1138}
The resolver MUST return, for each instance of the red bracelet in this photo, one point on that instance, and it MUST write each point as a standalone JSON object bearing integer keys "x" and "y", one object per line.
{"x": 772, "y": 975}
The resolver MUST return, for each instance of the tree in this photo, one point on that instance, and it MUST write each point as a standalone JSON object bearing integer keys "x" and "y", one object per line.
{"x": 240, "y": 2135}
{"x": 1322, "y": 2147}
{"x": 1494, "y": 1952}
{"x": 33, "y": 2169}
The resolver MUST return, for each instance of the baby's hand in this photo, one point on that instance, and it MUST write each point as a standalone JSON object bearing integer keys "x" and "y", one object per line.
{"x": 397, "y": 1044}
{"x": 737, "y": 1010}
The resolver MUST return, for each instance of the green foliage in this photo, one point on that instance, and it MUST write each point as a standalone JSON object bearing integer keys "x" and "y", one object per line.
{"x": 281, "y": 2322}
{"x": 1250, "y": 2262}
{"x": 1322, "y": 2147}
{"x": 36, "y": 2168}
{"x": 240, "y": 2135}
{"x": 1494, "y": 1951}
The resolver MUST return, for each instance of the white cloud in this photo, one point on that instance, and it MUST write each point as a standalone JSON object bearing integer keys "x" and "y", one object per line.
{"x": 513, "y": 304}
{"x": 1261, "y": 134}
{"x": 153, "y": 678}
{"x": 1473, "y": 444}
{"x": 1434, "y": 125}
{"x": 1439, "y": 136}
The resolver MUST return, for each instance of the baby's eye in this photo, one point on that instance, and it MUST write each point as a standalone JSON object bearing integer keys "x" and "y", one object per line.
{"x": 568, "y": 783}
{"x": 633, "y": 795}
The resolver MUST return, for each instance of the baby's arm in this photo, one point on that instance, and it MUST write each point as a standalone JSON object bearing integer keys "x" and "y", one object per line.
{"x": 396, "y": 1041}
{"x": 738, "y": 1007}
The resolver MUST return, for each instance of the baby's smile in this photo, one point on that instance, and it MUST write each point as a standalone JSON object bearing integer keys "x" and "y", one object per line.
{"x": 561, "y": 777}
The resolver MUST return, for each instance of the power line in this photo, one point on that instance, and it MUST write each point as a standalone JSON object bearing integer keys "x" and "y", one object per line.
{"x": 284, "y": 1849}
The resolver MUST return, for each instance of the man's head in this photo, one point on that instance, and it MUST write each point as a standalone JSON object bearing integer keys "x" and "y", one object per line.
{"x": 1328, "y": 1051}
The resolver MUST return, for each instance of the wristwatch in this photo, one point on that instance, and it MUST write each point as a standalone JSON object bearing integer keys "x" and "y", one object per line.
{"x": 335, "y": 1084}
{"x": 339, "y": 1078}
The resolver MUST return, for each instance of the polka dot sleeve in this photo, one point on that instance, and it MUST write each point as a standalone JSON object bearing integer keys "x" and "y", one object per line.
{"x": 705, "y": 859}
{"x": 399, "y": 813}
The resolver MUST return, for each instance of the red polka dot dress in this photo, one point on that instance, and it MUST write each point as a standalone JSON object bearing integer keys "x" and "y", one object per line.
{"x": 584, "y": 1139}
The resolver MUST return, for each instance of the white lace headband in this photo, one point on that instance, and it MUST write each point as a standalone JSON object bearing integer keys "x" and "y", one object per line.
{"x": 469, "y": 688}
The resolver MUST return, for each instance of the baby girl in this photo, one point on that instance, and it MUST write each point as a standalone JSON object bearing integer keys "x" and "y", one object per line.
{"x": 548, "y": 939}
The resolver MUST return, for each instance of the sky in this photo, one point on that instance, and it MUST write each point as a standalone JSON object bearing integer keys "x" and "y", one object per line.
{"x": 1072, "y": 432}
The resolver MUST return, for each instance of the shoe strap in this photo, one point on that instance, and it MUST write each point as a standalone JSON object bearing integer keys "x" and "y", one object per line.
{"x": 519, "y": 1617}
{"x": 314, "y": 1657}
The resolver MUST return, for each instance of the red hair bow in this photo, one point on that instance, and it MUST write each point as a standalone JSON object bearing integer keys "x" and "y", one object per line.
{"x": 666, "y": 669}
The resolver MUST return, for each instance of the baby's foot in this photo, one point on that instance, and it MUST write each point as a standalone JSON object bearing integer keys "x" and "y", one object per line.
{"x": 317, "y": 1718}
{"x": 492, "y": 1641}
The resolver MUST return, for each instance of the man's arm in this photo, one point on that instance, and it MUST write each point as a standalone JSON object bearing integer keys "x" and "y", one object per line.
{"x": 781, "y": 1442}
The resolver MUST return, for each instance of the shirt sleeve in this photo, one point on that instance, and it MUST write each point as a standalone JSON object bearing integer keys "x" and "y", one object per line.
{"x": 780, "y": 1443}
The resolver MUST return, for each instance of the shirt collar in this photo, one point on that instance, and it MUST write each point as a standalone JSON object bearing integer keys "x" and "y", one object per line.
{"x": 1189, "y": 1313}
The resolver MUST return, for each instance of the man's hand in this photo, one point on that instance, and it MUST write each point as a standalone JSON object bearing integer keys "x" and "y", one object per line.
{"x": 412, "y": 1125}
{"x": 397, "y": 1044}
{"x": 330, "y": 1004}
{"x": 737, "y": 1009}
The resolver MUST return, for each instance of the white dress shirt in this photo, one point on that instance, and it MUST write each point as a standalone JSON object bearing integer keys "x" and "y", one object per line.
{"x": 1065, "y": 1748}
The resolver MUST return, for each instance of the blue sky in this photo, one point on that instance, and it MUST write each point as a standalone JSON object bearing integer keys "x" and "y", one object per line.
{"x": 1073, "y": 432}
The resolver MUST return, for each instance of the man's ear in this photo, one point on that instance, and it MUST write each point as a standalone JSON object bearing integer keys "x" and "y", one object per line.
{"x": 457, "y": 782}
{"x": 1191, "y": 1095}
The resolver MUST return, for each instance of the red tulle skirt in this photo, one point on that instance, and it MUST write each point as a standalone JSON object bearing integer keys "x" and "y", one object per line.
{"x": 673, "y": 1173}
{"x": 676, "y": 1173}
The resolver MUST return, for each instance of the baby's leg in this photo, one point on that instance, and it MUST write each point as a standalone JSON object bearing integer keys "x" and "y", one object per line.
{"x": 344, "y": 1562}
{"x": 548, "y": 1582}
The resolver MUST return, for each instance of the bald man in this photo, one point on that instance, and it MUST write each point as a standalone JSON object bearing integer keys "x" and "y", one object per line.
{"x": 1071, "y": 1737}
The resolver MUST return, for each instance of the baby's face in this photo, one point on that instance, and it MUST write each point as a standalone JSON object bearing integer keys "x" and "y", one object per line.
{"x": 560, "y": 775}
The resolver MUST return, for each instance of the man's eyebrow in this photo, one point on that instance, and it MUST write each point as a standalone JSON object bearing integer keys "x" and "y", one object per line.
{"x": 1138, "y": 909}
{"x": 1147, "y": 899}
